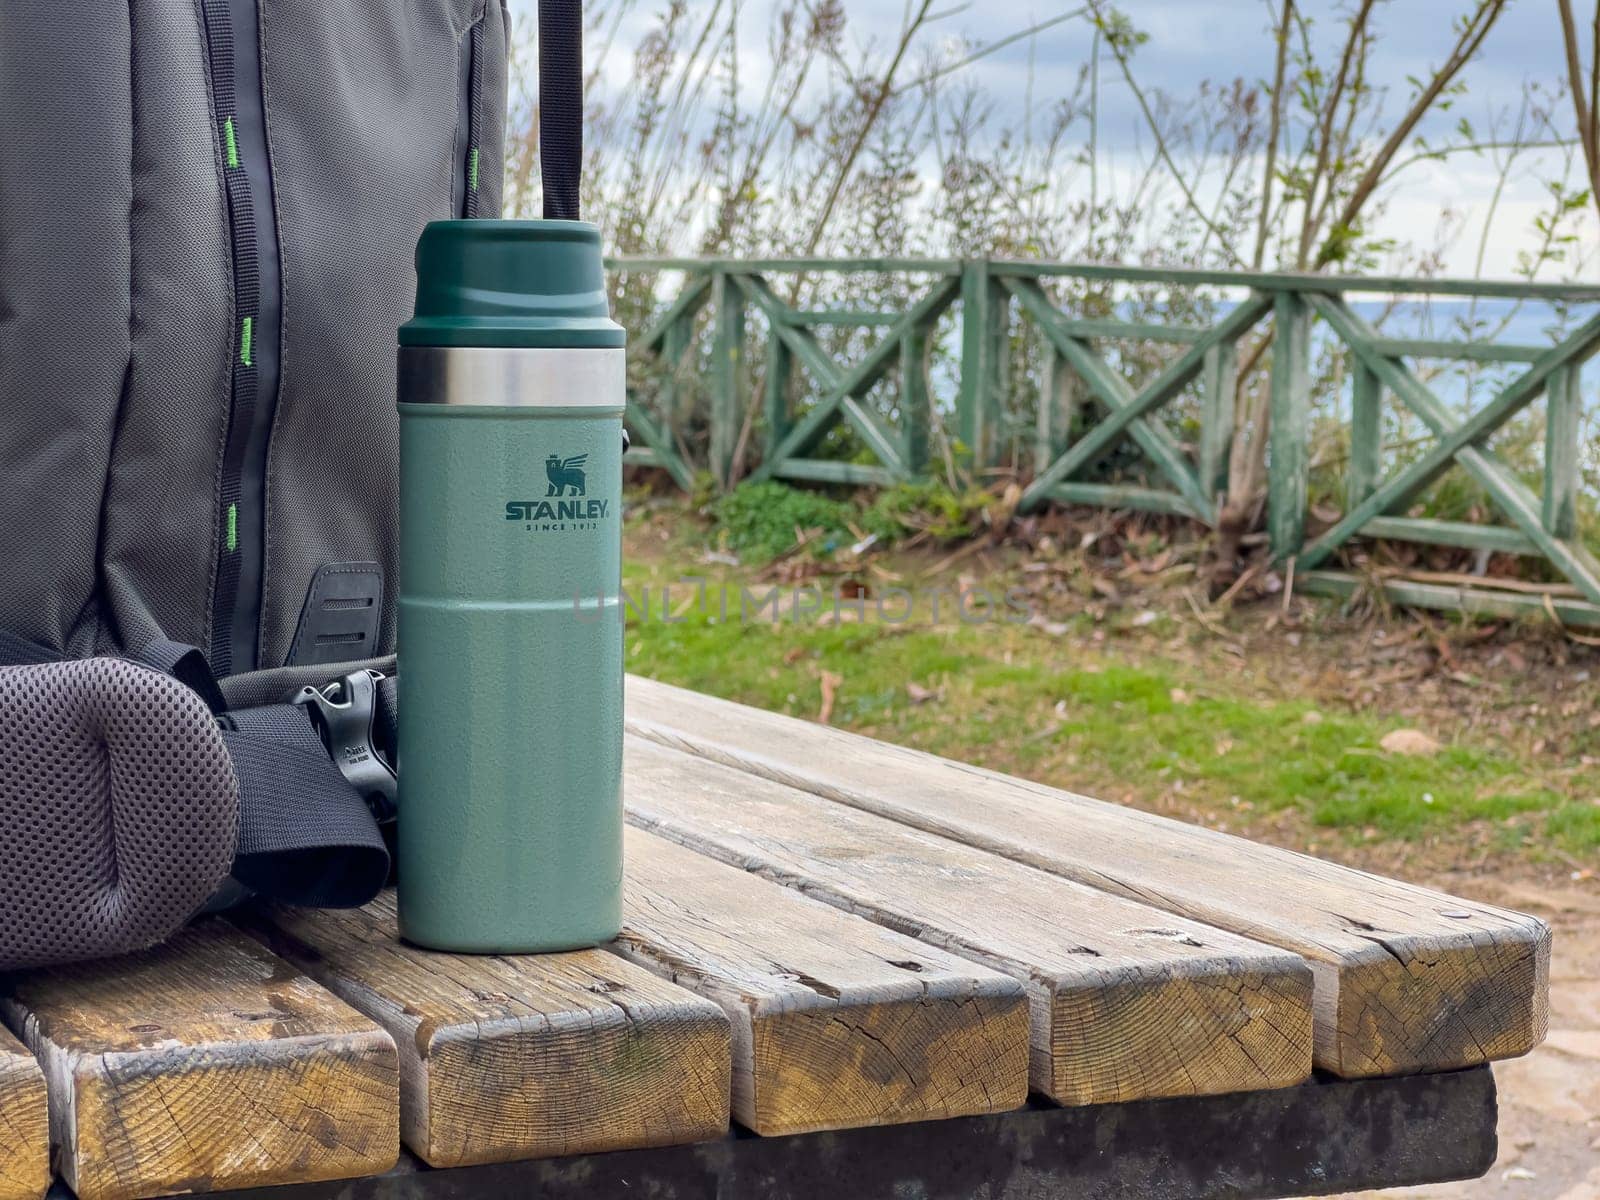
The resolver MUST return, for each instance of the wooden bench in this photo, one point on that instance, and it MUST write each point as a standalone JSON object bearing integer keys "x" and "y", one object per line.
{"x": 848, "y": 969}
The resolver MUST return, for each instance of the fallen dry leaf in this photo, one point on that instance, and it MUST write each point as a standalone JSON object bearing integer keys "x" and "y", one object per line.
{"x": 830, "y": 690}
{"x": 1409, "y": 741}
{"x": 1057, "y": 628}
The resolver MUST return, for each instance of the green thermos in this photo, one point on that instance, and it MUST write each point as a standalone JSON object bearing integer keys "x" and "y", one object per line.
{"x": 511, "y": 390}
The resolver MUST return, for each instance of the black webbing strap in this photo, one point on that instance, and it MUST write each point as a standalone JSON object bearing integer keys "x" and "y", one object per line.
{"x": 560, "y": 106}
{"x": 306, "y": 836}
{"x": 188, "y": 666}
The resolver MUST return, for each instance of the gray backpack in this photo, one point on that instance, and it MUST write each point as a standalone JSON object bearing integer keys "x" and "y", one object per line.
{"x": 208, "y": 210}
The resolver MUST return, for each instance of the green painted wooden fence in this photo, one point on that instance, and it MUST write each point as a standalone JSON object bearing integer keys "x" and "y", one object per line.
{"x": 1086, "y": 408}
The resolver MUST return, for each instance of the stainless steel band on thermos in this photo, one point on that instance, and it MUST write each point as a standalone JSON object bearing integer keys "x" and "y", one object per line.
{"x": 514, "y": 377}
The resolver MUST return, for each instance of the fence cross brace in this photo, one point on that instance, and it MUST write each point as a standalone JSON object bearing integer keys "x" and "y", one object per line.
{"x": 842, "y": 390}
{"x": 658, "y": 340}
{"x": 1128, "y": 409}
{"x": 1459, "y": 442}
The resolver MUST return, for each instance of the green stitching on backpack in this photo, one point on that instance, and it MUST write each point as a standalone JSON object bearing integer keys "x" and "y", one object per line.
{"x": 472, "y": 169}
{"x": 233, "y": 528}
{"x": 230, "y": 141}
{"x": 246, "y": 331}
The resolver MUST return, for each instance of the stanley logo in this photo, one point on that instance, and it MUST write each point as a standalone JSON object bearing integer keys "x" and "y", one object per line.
{"x": 566, "y": 505}
{"x": 556, "y": 510}
{"x": 564, "y": 473}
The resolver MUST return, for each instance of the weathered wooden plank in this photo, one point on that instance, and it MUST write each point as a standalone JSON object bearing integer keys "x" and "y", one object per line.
{"x": 916, "y": 406}
{"x": 1219, "y": 385}
{"x": 727, "y": 374}
{"x": 505, "y": 1057}
{"x": 1281, "y": 281}
{"x": 847, "y": 317}
{"x": 1058, "y": 405}
{"x": 1460, "y": 351}
{"x": 1563, "y": 452}
{"x": 1430, "y": 532}
{"x": 837, "y": 1023}
{"x": 778, "y": 266}
{"x": 1289, "y": 435}
{"x": 1407, "y": 978}
{"x": 1127, "y": 1003}
{"x": 1366, "y": 434}
{"x": 979, "y": 402}
{"x": 203, "y": 1064}
{"x": 827, "y": 470}
{"x": 24, "y": 1126}
{"x": 1122, "y": 495}
{"x": 1485, "y": 601}
{"x": 775, "y": 405}
{"x": 1132, "y": 331}
{"x": 1415, "y": 285}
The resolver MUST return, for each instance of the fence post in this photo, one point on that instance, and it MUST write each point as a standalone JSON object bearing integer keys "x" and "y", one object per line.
{"x": 1058, "y": 403}
{"x": 780, "y": 364}
{"x": 1366, "y": 435}
{"x": 674, "y": 344}
{"x": 1291, "y": 411}
{"x": 982, "y": 314}
{"x": 727, "y": 351}
{"x": 915, "y": 406}
{"x": 1219, "y": 382}
{"x": 1563, "y": 420}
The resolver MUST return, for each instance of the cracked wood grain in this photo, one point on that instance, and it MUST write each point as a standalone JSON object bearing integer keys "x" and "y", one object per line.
{"x": 24, "y": 1127}
{"x": 205, "y": 1064}
{"x": 837, "y": 1022}
{"x": 1406, "y": 978}
{"x": 505, "y": 1057}
{"x": 1125, "y": 1002}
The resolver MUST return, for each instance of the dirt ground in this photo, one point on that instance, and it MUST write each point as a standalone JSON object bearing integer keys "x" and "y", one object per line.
{"x": 1550, "y": 1100}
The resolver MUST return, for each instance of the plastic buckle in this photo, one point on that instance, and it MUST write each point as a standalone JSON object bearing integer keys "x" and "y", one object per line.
{"x": 344, "y": 713}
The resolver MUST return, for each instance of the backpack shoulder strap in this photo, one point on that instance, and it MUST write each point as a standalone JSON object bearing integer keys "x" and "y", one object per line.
{"x": 306, "y": 835}
{"x": 560, "y": 106}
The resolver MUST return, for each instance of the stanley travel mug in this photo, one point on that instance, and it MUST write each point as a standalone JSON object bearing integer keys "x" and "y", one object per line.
{"x": 511, "y": 389}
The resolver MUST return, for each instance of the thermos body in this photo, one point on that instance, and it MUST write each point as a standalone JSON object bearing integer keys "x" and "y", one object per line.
{"x": 510, "y": 636}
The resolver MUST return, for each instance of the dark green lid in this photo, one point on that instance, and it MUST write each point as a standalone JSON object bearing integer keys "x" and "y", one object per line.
{"x": 511, "y": 283}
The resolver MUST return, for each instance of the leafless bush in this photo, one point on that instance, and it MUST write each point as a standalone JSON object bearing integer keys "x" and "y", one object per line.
{"x": 822, "y": 147}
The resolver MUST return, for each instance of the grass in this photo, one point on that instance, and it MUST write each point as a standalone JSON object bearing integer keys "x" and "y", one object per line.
{"x": 758, "y": 520}
{"x": 1199, "y": 735}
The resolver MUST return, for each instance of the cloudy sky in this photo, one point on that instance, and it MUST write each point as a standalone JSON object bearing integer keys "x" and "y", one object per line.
{"x": 1191, "y": 41}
